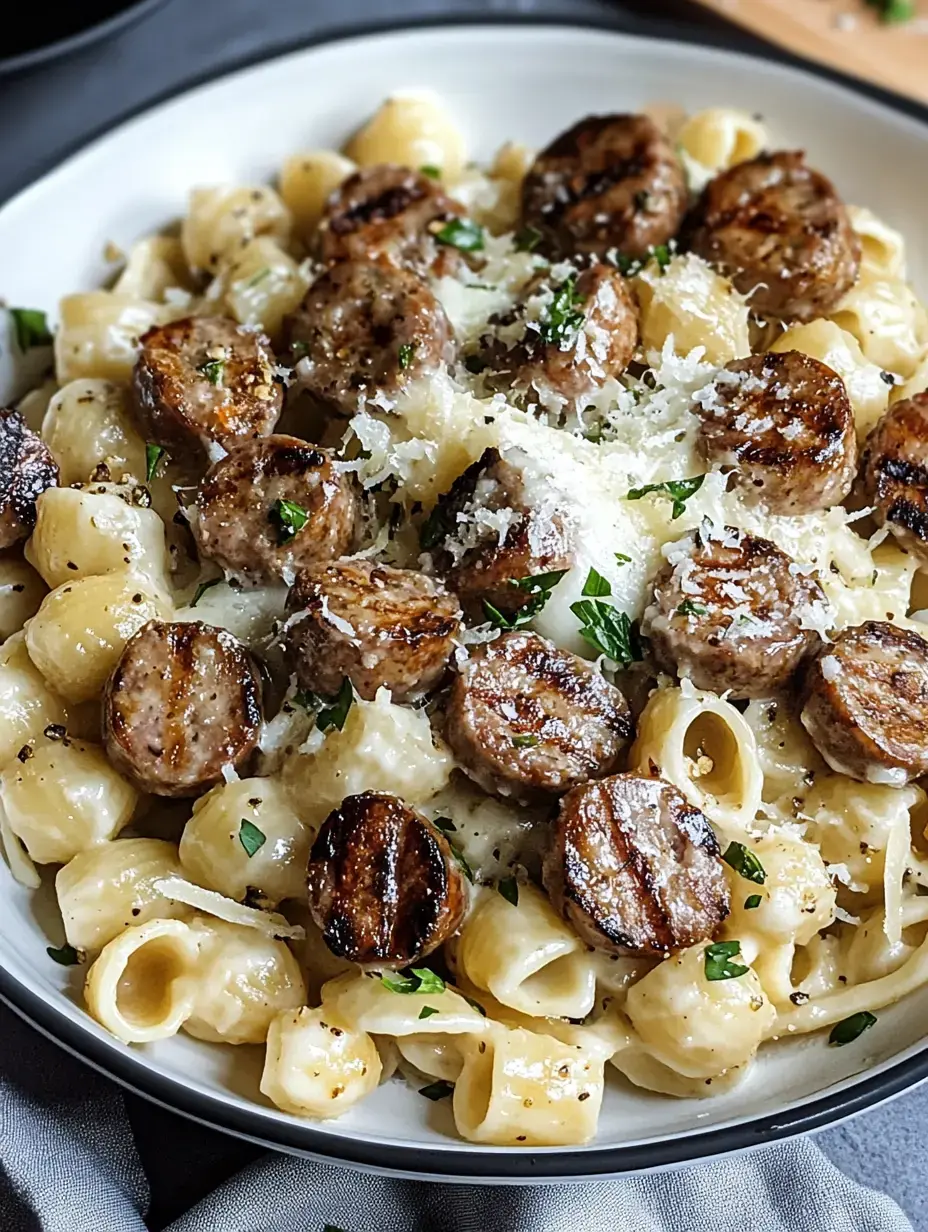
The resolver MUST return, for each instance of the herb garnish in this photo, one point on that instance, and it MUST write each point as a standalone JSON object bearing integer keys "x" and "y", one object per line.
{"x": 689, "y": 608}
{"x": 407, "y": 350}
{"x": 251, "y": 837}
{"x": 212, "y": 369}
{"x": 202, "y": 589}
{"x": 429, "y": 169}
{"x": 846, "y": 1031}
{"x": 462, "y": 233}
{"x": 621, "y": 558}
{"x": 66, "y": 956}
{"x": 752, "y": 901}
{"x": 718, "y": 961}
{"x": 437, "y": 1090}
{"x": 596, "y": 585}
{"x": 427, "y": 1011}
{"x": 603, "y": 625}
{"x": 528, "y": 239}
{"x": 561, "y": 320}
{"x": 31, "y": 328}
{"x": 445, "y": 824}
{"x": 677, "y": 490}
{"x": 892, "y": 11}
{"x": 630, "y": 266}
{"x": 745, "y": 863}
{"x": 290, "y": 518}
{"x": 509, "y": 888}
{"x": 335, "y": 714}
{"x": 153, "y": 455}
{"x": 526, "y": 741}
{"x": 418, "y": 980}
{"x": 538, "y": 586}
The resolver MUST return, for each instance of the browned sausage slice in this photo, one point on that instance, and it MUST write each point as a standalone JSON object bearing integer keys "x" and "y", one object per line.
{"x": 274, "y": 506}
{"x": 364, "y": 332}
{"x": 894, "y": 473}
{"x": 205, "y": 380}
{"x": 384, "y": 885}
{"x": 779, "y": 230}
{"x": 514, "y": 539}
{"x": 865, "y": 703}
{"x": 732, "y": 613}
{"x": 785, "y": 424}
{"x": 183, "y": 701}
{"x": 528, "y": 720}
{"x": 635, "y": 868}
{"x": 372, "y": 623}
{"x": 586, "y": 333}
{"x": 27, "y": 468}
{"x": 610, "y": 182}
{"x": 393, "y": 212}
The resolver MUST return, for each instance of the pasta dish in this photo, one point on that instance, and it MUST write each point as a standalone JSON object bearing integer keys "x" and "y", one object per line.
{"x": 462, "y": 625}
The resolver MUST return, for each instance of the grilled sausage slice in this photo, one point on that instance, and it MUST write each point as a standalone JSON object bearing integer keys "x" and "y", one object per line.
{"x": 894, "y": 473}
{"x": 204, "y": 381}
{"x": 784, "y": 423}
{"x": 273, "y": 506}
{"x": 515, "y": 539}
{"x": 635, "y": 868}
{"x": 384, "y": 885}
{"x": 865, "y": 703}
{"x": 393, "y": 212}
{"x": 779, "y": 230}
{"x": 732, "y": 613}
{"x": 364, "y": 332}
{"x": 528, "y": 720}
{"x": 27, "y": 468}
{"x": 183, "y": 702}
{"x": 609, "y": 182}
{"x": 586, "y": 332}
{"x": 372, "y": 623}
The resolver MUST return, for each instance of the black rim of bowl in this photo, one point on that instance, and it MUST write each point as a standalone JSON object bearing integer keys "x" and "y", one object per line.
{"x": 93, "y": 33}
{"x": 468, "y": 1163}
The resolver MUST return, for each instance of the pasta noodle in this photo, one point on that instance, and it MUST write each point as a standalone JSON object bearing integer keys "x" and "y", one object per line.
{"x": 88, "y": 424}
{"x": 411, "y": 131}
{"x": 317, "y": 1064}
{"x": 306, "y": 181}
{"x": 690, "y": 305}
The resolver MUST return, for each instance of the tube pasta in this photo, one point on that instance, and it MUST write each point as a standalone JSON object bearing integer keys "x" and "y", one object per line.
{"x": 88, "y": 423}
{"x": 436, "y": 1056}
{"x": 318, "y": 1065}
{"x": 221, "y": 220}
{"x": 154, "y": 268}
{"x": 21, "y": 593}
{"x": 99, "y": 332}
{"x": 517, "y": 1088}
{"x": 261, "y": 284}
{"x": 27, "y": 704}
{"x": 141, "y": 987}
{"x": 702, "y": 745}
{"x": 689, "y": 305}
{"x": 306, "y": 182}
{"x": 527, "y": 957}
{"x": 882, "y": 248}
{"x": 366, "y": 1001}
{"x": 411, "y": 131}
{"x": 789, "y": 761}
{"x": 888, "y": 321}
{"x": 721, "y": 137}
{"x": 65, "y": 798}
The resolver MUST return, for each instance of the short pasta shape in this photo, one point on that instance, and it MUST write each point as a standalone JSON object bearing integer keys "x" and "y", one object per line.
{"x": 318, "y": 1065}
{"x": 261, "y": 285}
{"x": 367, "y": 1001}
{"x": 882, "y": 248}
{"x": 721, "y": 137}
{"x": 414, "y": 131}
{"x": 154, "y": 268}
{"x": 888, "y": 321}
{"x": 688, "y": 305}
{"x": 21, "y": 593}
{"x": 220, "y": 220}
{"x": 27, "y": 704}
{"x": 306, "y": 182}
{"x": 99, "y": 332}
{"x": 88, "y": 424}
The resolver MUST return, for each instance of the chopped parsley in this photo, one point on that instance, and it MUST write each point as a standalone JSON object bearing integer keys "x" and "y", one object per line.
{"x": 251, "y": 838}
{"x": 509, "y": 888}
{"x": 290, "y": 518}
{"x": 892, "y": 11}
{"x": 596, "y": 585}
{"x": 256, "y": 278}
{"x": 437, "y": 1090}
{"x": 429, "y": 169}
{"x": 462, "y": 860}
{"x": 689, "y": 608}
{"x": 445, "y": 824}
{"x": 212, "y": 369}
{"x": 622, "y": 559}
{"x": 153, "y": 455}
{"x": 629, "y": 266}
{"x": 335, "y": 714}
{"x": 752, "y": 901}
{"x": 528, "y": 239}
{"x": 848, "y": 1029}
{"x": 677, "y": 490}
{"x": 661, "y": 254}
{"x": 436, "y": 527}
{"x": 527, "y": 741}
{"x": 718, "y": 961}
{"x": 745, "y": 863}
{"x": 417, "y": 980}
{"x": 31, "y": 328}
{"x": 66, "y": 956}
{"x": 562, "y": 319}
{"x": 427, "y": 1011}
{"x": 202, "y": 589}
{"x": 407, "y": 350}
{"x": 538, "y": 586}
{"x": 462, "y": 233}
{"x": 603, "y": 625}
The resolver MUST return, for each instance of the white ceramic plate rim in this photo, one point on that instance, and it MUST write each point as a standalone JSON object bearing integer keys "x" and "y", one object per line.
{"x": 69, "y": 1027}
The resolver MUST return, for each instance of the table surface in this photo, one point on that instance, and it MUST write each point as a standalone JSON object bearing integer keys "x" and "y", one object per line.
{"x": 51, "y": 110}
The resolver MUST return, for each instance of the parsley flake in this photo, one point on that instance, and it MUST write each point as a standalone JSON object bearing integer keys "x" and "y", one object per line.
{"x": 689, "y": 608}
{"x": 153, "y": 455}
{"x": 335, "y": 714}
{"x": 429, "y": 169}
{"x": 202, "y": 589}
{"x": 290, "y": 518}
{"x": 892, "y": 11}
{"x": 212, "y": 369}
{"x": 66, "y": 956}
{"x": 718, "y": 961}
{"x": 596, "y": 585}
{"x": 528, "y": 239}
{"x": 745, "y": 863}
{"x": 427, "y": 1011}
{"x": 462, "y": 233}
{"x": 677, "y": 490}
{"x": 445, "y": 824}
{"x": 407, "y": 350}
{"x": 661, "y": 254}
{"x": 848, "y": 1029}
{"x": 526, "y": 741}
{"x": 437, "y": 1090}
{"x": 251, "y": 838}
{"x": 603, "y": 625}
{"x": 752, "y": 901}
{"x": 31, "y": 328}
{"x": 561, "y": 320}
{"x": 622, "y": 559}
{"x": 509, "y": 888}
{"x": 538, "y": 587}
{"x": 417, "y": 980}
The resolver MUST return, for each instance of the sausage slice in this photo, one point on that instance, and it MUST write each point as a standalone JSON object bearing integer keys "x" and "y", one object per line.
{"x": 393, "y": 212}
{"x": 486, "y": 535}
{"x": 273, "y": 506}
{"x": 183, "y": 702}
{"x": 205, "y": 380}
{"x": 27, "y": 468}
{"x": 732, "y": 613}
{"x": 384, "y": 885}
{"x": 865, "y": 703}
{"x": 781, "y": 233}
{"x": 364, "y": 332}
{"x": 372, "y": 623}
{"x": 609, "y": 182}
{"x": 894, "y": 473}
{"x": 562, "y": 343}
{"x": 635, "y": 868}
{"x": 528, "y": 720}
{"x": 784, "y": 423}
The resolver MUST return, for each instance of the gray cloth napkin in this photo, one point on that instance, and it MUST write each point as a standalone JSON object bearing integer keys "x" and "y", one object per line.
{"x": 68, "y": 1164}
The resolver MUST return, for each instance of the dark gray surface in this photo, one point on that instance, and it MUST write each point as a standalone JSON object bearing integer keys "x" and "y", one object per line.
{"x": 50, "y": 111}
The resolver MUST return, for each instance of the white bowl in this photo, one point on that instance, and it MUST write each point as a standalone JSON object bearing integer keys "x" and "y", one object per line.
{"x": 500, "y": 81}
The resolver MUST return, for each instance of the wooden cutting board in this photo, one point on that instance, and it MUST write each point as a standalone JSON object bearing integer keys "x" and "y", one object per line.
{"x": 846, "y": 34}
